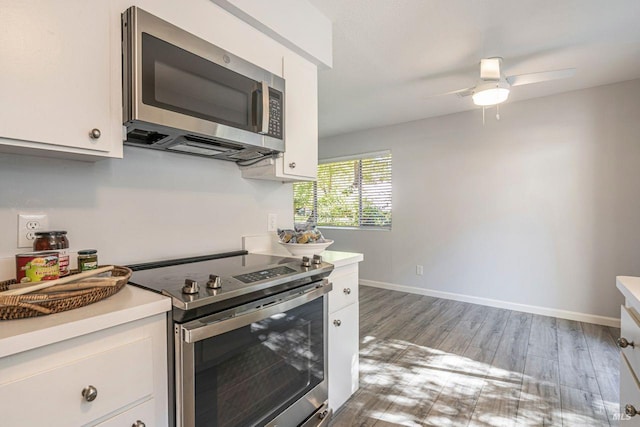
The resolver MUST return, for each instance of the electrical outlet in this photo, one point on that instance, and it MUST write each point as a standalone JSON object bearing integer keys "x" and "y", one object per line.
{"x": 28, "y": 224}
{"x": 272, "y": 222}
{"x": 419, "y": 270}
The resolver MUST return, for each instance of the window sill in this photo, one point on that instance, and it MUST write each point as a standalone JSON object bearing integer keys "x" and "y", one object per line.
{"x": 330, "y": 227}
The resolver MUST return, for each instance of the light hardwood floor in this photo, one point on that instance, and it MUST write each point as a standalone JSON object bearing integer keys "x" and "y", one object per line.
{"x": 432, "y": 362}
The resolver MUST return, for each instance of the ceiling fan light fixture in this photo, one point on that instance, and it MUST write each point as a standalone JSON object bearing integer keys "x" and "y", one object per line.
{"x": 491, "y": 93}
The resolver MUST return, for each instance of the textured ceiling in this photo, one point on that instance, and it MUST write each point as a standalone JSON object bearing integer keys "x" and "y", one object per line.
{"x": 392, "y": 58}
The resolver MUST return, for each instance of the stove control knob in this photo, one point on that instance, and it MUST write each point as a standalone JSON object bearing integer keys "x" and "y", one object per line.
{"x": 214, "y": 282}
{"x": 305, "y": 261}
{"x": 317, "y": 259}
{"x": 190, "y": 287}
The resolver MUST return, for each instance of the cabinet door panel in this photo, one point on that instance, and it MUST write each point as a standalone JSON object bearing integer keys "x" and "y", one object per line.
{"x": 142, "y": 414}
{"x": 120, "y": 376}
{"x": 630, "y": 330}
{"x": 301, "y": 118}
{"x": 629, "y": 393}
{"x": 55, "y": 76}
{"x": 343, "y": 355}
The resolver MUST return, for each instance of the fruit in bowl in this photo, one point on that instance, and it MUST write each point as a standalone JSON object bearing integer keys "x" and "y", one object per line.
{"x": 307, "y": 249}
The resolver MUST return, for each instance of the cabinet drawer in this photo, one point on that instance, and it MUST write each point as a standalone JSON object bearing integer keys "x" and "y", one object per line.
{"x": 630, "y": 330}
{"x": 121, "y": 376}
{"x": 138, "y": 416}
{"x": 345, "y": 291}
{"x": 629, "y": 392}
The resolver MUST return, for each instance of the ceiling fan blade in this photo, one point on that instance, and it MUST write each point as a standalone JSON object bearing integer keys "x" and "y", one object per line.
{"x": 460, "y": 92}
{"x": 465, "y": 92}
{"x": 526, "y": 79}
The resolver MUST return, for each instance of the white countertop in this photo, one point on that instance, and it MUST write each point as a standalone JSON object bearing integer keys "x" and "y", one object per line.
{"x": 630, "y": 288}
{"x": 130, "y": 304}
{"x": 340, "y": 259}
{"x": 268, "y": 244}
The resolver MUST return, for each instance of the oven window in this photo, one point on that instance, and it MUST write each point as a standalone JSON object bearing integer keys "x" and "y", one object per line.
{"x": 247, "y": 376}
{"x": 177, "y": 80}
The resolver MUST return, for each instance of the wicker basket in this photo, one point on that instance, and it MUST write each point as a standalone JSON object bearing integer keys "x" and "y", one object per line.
{"x": 48, "y": 302}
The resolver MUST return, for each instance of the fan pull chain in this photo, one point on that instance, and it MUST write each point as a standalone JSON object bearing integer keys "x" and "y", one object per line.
{"x": 498, "y": 112}
{"x": 483, "y": 115}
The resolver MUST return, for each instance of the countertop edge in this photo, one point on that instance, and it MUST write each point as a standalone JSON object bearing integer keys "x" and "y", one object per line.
{"x": 128, "y": 305}
{"x": 629, "y": 287}
{"x": 337, "y": 258}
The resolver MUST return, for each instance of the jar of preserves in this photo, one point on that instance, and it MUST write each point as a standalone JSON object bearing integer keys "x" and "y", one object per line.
{"x": 45, "y": 241}
{"x": 87, "y": 259}
{"x": 54, "y": 241}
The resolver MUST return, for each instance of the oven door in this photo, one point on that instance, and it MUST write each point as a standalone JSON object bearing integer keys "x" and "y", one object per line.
{"x": 263, "y": 366}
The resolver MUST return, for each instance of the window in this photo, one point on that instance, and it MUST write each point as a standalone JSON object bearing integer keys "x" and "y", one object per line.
{"x": 349, "y": 192}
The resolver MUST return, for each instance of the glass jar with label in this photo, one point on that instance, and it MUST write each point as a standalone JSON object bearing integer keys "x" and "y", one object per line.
{"x": 87, "y": 259}
{"x": 54, "y": 241}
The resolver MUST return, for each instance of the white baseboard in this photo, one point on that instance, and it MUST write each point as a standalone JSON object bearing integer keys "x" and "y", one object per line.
{"x": 562, "y": 314}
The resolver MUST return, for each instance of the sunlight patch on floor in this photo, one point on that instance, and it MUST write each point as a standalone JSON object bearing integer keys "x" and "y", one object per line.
{"x": 446, "y": 387}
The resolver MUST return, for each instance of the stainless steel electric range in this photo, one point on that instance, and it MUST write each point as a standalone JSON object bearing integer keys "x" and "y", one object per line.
{"x": 247, "y": 338}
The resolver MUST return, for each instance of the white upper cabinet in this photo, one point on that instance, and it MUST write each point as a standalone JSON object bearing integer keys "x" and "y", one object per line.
{"x": 56, "y": 78}
{"x": 301, "y": 126}
{"x": 300, "y": 160}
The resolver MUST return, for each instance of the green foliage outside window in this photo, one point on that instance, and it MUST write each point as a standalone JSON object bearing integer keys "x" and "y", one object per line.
{"x": 353, "y": 193}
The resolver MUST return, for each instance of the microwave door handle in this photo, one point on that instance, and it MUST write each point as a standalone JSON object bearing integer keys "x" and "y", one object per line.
{"x": 264, "y": 123}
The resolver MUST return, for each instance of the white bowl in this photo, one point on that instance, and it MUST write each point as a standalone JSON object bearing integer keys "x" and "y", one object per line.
{"x": 306, "y": 249}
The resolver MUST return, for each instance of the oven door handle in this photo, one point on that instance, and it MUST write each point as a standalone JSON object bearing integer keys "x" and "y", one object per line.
{"x": 197, "y": 331}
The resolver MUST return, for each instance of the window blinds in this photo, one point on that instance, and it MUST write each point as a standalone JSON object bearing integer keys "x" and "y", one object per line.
{"x": 354, "y": 192}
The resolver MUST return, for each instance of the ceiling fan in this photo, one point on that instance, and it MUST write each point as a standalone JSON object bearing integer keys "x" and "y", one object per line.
{"x": 494, "y": 87}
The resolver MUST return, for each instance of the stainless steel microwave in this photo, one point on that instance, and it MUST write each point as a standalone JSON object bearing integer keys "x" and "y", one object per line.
{"x": 183, "y": 94}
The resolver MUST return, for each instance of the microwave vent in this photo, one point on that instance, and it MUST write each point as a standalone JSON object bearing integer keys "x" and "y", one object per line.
{"x": 214, "y": 143}
{"x": 247, "y": 155}
{"x": 146, "y": 137}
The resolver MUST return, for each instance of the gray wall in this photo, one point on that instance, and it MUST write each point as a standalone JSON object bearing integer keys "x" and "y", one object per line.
{"x": 540, "y": 208}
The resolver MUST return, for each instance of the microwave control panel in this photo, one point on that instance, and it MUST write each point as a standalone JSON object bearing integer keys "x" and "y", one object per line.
{"x": 275, "y": 114}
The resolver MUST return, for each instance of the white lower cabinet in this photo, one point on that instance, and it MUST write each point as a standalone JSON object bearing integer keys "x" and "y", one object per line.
{"x": 629, "y": 366}
{"x": 116, "y": 376}
{"x": 343, "y": 335}
{"x": 343, "y": 355}
{"x": 629, "y": 343}
{"x": 629, "y": 394}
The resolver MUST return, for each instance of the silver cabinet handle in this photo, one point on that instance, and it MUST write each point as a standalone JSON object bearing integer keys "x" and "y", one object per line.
{"x": 90, "y": 393}
{"x": 95, "y": 133}
{"x": 347, "y": 291}
{"x": 292, "y": 165}
{"x": 138, "y": 424}
{"x": 337, "y": 322}
{"x": 623, "y": 343}
{"x": 630, "y": 410}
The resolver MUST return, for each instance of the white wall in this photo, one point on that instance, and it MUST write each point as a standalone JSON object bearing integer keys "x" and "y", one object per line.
{"x": 541, "y": 208}
{"x": 149, "y": 205}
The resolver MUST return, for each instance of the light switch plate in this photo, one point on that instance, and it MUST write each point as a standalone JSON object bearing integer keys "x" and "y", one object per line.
{"x": 272, "y": 222}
